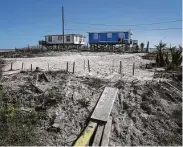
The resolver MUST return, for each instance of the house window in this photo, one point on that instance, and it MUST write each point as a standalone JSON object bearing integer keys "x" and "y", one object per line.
{"x": 68, "y": 38}
{"x": 80, "y": 39}
{"x": 122, "y": 35}
{"x": 109, "y": 35}
{"x": 59, "y": 37}
{"x": 95, "y": 36}
{"x": 49, "y": 38}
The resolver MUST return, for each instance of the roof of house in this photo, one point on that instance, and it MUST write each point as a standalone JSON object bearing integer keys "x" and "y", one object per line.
{"x": 67, "y": 35}
{"x": 112, "y": 31}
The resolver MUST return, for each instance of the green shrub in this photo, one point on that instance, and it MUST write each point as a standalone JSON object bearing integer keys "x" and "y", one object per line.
{"x": 160, "y": 61}
{"x": 18, "y": 127}
{"x": 176, "y": 55}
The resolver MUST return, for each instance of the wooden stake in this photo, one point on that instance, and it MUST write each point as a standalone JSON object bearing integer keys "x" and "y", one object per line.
{"x": 67, "y": 67}
{"x": 120, "y": 71}
{"x": 88, "y": 65}
{"x": 11, "y": 66}
{"x": 36, "y": 79}
{"x": 31, "y": 67}
{"x": 84, "y": 65}
{"x": 73, "y": 66}
{"x": 133, "y": 68}
{"x": 22, "y": 66}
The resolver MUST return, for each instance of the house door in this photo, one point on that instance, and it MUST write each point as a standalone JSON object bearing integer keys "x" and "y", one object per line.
{"x": 102, "y": 37}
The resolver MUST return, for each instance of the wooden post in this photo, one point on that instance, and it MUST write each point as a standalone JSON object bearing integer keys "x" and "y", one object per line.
{"x": 31, "y": 67}
{"x": 11, "y": 68}
{"x": 73, "y": 66}
{"x": 88, "y": 65}
{"x": 120, "y": 70}
{"x": 133, "y": 68}
{"x": 84, "y": 65}
{"x": 67, "y": 67}
{"x": 22, "y": 66}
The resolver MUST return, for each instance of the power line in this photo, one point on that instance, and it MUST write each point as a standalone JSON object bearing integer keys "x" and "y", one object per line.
{"x": 124, "y": 25}
{"x": 135, "y": 29}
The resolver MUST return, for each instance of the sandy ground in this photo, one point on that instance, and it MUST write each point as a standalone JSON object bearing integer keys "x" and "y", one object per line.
{"x": 101, "y": 64}
{"x": 150, "y": 113}
{"x": 66, "y": 99}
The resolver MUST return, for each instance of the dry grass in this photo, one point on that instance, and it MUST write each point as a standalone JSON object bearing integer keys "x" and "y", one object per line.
{"x": 149, "y": 56}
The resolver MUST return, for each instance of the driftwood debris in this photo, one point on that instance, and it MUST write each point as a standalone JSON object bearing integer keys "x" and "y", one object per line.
{"x": 175, "y": 89}
{"x": 43, "y": 77}
{"x": 35, "y": 88}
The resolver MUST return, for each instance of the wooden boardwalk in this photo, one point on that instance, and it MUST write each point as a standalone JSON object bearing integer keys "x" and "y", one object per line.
{"x": 104, "y": 106}
{"x": 100, "y": 121}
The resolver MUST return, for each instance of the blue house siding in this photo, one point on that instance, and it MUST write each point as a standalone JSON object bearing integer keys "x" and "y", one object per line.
{"x": 104, "y": 39}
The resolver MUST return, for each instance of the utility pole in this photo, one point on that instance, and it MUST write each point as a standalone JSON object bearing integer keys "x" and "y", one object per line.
{"x": 63, "y": 26}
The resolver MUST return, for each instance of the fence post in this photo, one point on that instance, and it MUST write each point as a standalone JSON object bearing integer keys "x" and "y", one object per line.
{"x": 22, "y": 65}
{"x": 11, "y": 68}
{"x": 67, "y": 67}
{"x": 133, "y": 68}
{"x": 120, "y": 67}
{"x": 84, "y": 65}
{"x": 73, "y": 66}
{"x": 88, "y": 65}
{"x": 31, "y": 67}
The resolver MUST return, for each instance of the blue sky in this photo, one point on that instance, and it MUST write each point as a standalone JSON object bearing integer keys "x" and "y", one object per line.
{"x": 24, "y": 22}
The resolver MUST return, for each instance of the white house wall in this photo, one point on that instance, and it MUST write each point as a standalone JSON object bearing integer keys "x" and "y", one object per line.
{"x": 56, "y": 41}
{"x": 77, "y": 39}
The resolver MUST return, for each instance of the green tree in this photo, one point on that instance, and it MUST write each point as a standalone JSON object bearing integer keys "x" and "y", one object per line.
{"x": 142, "y": 46}
{"x": 176, "y": 55}
{"x": 147, "y": 48}
{"x": 159, "y": 57}
{"x": 137, "y": 48}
